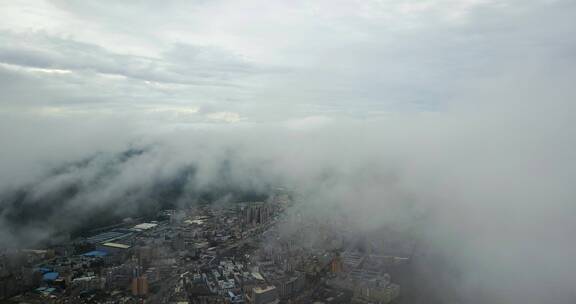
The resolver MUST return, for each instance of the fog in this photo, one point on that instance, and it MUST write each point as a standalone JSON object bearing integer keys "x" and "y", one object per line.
{"x": 454, "y": 121}
{"x": 490, "y": 192}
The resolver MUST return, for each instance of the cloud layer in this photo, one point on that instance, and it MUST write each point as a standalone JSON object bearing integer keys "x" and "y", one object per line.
{"x": 453, "y": 120}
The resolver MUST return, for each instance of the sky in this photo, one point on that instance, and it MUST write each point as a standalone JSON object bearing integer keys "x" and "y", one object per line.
{"x": 462, "y": 110}
{"x": 191, "y": 62}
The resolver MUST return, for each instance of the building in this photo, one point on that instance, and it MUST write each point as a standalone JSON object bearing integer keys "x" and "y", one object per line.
{"x": 8, "y": 287}
{"x": 118, "y": 277}
{"x": 139, "y": 286}
{"x": 336, "y": 265}
{"x": 290, "y": 286}
{"x": 109, "y": 236}
{"x": 256, "y": 213}
{"x": 88, "y": 282}
{"x": 376, "y": 293}
{"x": 352, "y": 260}
{"x": 144, "y": 226}
{"x": 263, "y": 295}
{"x": 367, "y": 287}
{"x": 117, "y": 252}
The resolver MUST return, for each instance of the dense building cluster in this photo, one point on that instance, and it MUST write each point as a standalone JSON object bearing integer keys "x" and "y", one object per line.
{"x": 239, "y": 253}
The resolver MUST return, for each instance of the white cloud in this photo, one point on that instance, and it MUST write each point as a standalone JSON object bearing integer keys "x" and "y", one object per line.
{"x": 336, "y": 55}
{"x": 229, "y": 117}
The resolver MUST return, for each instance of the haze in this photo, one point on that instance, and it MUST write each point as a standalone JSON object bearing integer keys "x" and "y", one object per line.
{"x": 451, "y": 119}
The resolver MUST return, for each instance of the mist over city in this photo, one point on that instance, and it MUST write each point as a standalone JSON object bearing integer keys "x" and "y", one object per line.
{"x": 287, "y": 151}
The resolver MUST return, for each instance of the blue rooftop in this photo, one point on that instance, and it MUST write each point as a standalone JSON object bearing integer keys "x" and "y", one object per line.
{"x": 96, "y": 253}
{"x": 107, "y": 236}
{"x": 50, "y": 276}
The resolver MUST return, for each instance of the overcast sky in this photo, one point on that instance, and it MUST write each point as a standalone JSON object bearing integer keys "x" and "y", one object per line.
{"x": 181, "y": 62}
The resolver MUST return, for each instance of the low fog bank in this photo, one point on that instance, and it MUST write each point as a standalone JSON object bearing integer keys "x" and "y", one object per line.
{"x": 489, "y": 195}
{"x": 485, "y": 185}
{"x": 105, "y": 188}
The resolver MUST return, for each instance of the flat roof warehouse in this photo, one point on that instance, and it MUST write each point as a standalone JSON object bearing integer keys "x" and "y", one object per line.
{"x": 116, "y": 245}
{"x": 145, "y": 226}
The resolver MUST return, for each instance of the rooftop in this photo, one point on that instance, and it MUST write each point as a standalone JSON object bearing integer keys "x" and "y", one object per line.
{"x": 96, "y": 253}
{"x": 263, "y": 289}
{"x": 116, "y": 245}
{"x": 145, "y": 226}
{"x": 107, "y": 236}
{"x": 50, "y": 276}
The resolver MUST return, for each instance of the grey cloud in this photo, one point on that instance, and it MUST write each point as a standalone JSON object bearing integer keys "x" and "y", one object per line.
{"x": 184, "y": 64}
{"x": 492, "y": 200}
{"x": 132, "y": 16}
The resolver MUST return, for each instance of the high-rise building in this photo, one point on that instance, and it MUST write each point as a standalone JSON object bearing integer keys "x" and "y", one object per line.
{"x": 264, "y": 295}
{"x": 140, "y": 286}
{"x": 256, "y": 213}
{"x": 336, "y": 264}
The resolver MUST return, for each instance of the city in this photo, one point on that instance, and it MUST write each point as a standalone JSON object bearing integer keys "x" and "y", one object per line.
{"x": 205, "y": 254}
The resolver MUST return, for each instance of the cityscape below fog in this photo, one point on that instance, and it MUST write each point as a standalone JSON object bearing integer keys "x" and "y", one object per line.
{"x": 288, "y": 151}
{"x": 233, "y": 253}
